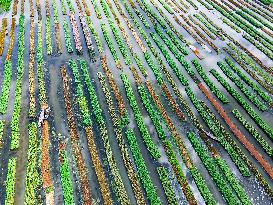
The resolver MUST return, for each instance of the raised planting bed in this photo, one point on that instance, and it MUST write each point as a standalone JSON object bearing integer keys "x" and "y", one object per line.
{"x": 66, "y": 178}
{"x": 167, "y": 186}
{"x": 32, "y": 177}
{"x": 209, "y": 83}
{"x": 259, "y": 121}
{"x": 10, "y": 181}
{"x": 250, "y": 95}
{"x": 152, "y": 148}
{"x": 217, "y": 133}
{"x": 211, "y": 167}
{"x": 84, "y": 183}
{"x": 15, "y": 130}
{"x": 252, "y": 130}
{"x": 135, "y": 182}
{"x": 143, "y": 172}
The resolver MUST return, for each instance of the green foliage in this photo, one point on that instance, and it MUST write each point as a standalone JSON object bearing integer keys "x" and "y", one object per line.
{"x": 138, "y": 117}
{"x": 253, "y": 98}
{"x": 32, "y": 174}
{"x": 67, "y": 37}
{"x": 143, "y": 172}
{"x": 184, "y": 81}
{"x": 217, "y": 133}
{"x": 66, "y": 180}
{"x": 167, "y": 186}
{"x": 211, "y": 166}
{"x": 10, "y": 182}
{"x": 5, "y": 4}
{"x": 260, "y": 122}
{"x": 15, "y": 130}
{"x": 252, "y": 130}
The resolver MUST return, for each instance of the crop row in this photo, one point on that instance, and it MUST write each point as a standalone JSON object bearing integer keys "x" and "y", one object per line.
{"x": 263, "y": 48}
{"x": 120, "y": 189}
{"x": 31, "y": 74}
{"x": 48, "y": 37}
{"x": 254, "y": 86}
{"x": 5, "y": 4}
{"x": 250, "y": 95}
{"x": 2, "y": 127}
{"x": 240, "y": 23}
{"x": 10, "y": 181}
{"x": 211, "y": 166}
{"x": 97, "y": 111}
{"x": 14, "y": 7}
{"x": 2, "y": 35}
{"x": 251, "y": 55}
{"x": 177, "y": 33}
{"x": 182, "y": 180}
{"x": 63, "y": 7}
{"x": 148, "y": 10}
{"x": 252, "y": 130}
{"x": 66, "y": 179}
{"x": 199, "y": 181}
{"x": 96, "y": 8}
{"x": 138, "y": 117}
{"x": 32, "y": 173}
{"x": 216, "y": 131}
{"x": 95, "y": 34}
{"x": 202, "y": 36}
{"x": 75, "y": 145}
{"x": 252, "y": 150}
{"x": 143, "y": 172}
{"x": 135, "y": 34}
{"x": 81, "y": 99}
{"x": 11, "y": 41}
{"x": 246, "y": 10}
{"x": 236, "y": 186}
{"x": 167, "y": 186}
{"x": 119, "y": 99}
{"x": 228, "y": 137}
{"x": 147, "y": 104}
{"x": 15, "y": 130}
{"x": 166, "y": 6}
{"x": 231, "y": 25}
{"x": 177, "y": 43}
{"x": 110, "y": 45}
{"x": 260, "y": 122}
{"x": 40, "y": 66}
{"x": 120, "y": 43}
{"x": 156, "y": 121}
{"x": 173, "y": 43}
{"x": 142, "y": 18}
{"x": 87, "y": 11}
{"x": 70, "y": 6}
{"x": 87, "y": 35}
{"x": 5, "y": 86}
{"x": 204, "y": 29}
{"x": 126, "y": 38}
{"x": 249, "y": 19}
{"x": 206, "y": 24}
{"x": 169, "y": 60}
{"x": 67, "y": 38}
{"x": 220, "y": 31}
{"x": 31, "y": 7}
{"x": 209, "y": 83}
{"x": 172, "y": 102}
{"x": 123, "y": 147}
{"x": 252, "y": 73}
{"x": 57, "y": 27}
{"x": 76, "y": 33}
